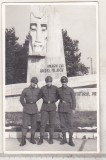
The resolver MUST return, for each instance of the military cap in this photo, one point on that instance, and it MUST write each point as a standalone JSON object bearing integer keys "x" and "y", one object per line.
{"x": 34, "y": 80}
{"x": 48, "y": 79}
{"x": 64, "y": 79}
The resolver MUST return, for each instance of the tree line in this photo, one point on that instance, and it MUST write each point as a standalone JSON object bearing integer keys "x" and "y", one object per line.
{"x": 16, "y": 57}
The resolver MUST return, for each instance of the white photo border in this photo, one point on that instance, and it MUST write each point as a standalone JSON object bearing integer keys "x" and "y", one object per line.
{"x": 98, "y": 109}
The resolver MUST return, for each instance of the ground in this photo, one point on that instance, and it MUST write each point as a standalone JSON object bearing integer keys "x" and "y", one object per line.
{"x": 80, "y": 146}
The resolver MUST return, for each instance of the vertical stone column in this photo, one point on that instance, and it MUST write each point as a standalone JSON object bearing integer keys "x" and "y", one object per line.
{"x": 55, "y": 51}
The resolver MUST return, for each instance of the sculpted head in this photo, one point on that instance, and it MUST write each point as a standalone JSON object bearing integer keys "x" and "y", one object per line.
{"x": 38, "y": 34}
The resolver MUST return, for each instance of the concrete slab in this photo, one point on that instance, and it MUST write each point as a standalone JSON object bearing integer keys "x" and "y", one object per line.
{"x": 12, "y": 146}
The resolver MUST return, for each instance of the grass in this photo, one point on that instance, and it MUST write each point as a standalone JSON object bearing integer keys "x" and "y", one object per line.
{"x": 81, "y": 119}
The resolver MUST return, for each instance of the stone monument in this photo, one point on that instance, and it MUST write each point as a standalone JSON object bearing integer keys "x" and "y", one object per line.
{"x": 46, "y": 52}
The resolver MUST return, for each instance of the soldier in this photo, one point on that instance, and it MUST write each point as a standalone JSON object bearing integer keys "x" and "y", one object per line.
{"x": 28, "y": 100}
{"x": 66, "y": 109}
{"x": 48, "y": 111}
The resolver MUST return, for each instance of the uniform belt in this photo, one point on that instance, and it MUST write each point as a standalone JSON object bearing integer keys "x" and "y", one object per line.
{"x": 31, "y": 103}
{"x": 48, "y": 102}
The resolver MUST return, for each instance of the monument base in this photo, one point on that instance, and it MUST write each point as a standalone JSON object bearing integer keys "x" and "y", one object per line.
{"x": 41, "y": 67}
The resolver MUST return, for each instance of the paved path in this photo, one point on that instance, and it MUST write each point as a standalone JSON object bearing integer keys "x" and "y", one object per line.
{"x": 80, "y": 145}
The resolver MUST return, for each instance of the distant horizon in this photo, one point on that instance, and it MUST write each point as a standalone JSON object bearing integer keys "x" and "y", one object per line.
{"x": 80, "y": 21}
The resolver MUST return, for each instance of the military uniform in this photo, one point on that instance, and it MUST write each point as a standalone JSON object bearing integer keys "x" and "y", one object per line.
{"x": 48, "y": 109}
{"x": 28, "y": 99}
{"x": 65, "y": 108}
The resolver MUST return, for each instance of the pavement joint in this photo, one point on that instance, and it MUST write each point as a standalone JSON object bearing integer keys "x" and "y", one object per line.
{"x": 82, "y": 145}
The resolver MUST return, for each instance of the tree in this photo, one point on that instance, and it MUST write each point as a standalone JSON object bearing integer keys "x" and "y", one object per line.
{"x": 72, "y": 56}
{"x": 11, "y": 47}
{"x": 16, "y": 58}
{"x": 21, "y": 60}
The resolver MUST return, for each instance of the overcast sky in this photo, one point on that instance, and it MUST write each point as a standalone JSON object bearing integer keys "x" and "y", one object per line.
{"x": 78, "y": 19}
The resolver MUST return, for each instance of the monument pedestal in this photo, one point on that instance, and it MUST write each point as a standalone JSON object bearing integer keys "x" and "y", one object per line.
{"x": 41, "y": 67}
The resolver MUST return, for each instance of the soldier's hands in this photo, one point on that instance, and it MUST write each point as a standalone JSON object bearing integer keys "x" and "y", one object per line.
{"x": 64, "y": 101}
{"x": 49, "y": 102}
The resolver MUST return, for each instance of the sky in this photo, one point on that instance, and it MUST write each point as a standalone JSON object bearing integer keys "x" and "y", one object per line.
{"x": 80, "y": 21}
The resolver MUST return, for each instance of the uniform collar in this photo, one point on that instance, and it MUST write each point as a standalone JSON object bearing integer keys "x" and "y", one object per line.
{"x": 64, "y": 87}
{"x": 49, "y": 87}
{"x": 32, "y": 87}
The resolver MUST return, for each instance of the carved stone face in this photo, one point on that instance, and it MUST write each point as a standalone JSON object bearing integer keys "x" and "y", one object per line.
{"x": 38, "y": 36}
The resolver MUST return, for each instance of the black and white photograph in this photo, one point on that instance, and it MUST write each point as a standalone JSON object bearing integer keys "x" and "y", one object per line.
{"x": 51, "y": 78}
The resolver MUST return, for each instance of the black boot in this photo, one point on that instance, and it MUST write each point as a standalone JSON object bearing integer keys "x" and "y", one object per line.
{"x": 51, "y": 140}
{"x": 64, "y": 140}
{"x": 71, "y": 143}
{"x": 40, "y": 140}
{"x": 32, "y": 140}
{"x": 23, "y": 142}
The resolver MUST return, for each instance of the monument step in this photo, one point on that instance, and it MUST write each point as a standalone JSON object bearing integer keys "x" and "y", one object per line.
{"x": 57, "y": 135}
{"x": 18, "y": 128}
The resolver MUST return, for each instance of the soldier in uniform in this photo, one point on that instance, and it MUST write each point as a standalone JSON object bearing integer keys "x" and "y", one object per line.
{"x": 49, "y": 94}
{"x": 28, "y": 99}
{"x": 66, "y": 108}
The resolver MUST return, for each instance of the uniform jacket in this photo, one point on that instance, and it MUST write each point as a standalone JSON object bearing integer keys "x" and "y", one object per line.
{"x": 49, "y": 96}
{"x": 67, "y": 95}
{"x": 28, "y": 99}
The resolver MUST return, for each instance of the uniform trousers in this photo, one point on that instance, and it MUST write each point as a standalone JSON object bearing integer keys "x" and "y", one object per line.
{"x": 45, "y": 116}
{"x": 66, "y": 122}
{"x": 29, "y": 119}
